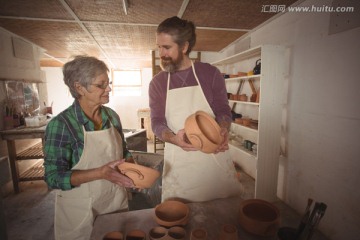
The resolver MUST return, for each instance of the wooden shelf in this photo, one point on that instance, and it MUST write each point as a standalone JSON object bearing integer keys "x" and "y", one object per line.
{"x": 243, "y": 78}
{"x": 36, "y": 172}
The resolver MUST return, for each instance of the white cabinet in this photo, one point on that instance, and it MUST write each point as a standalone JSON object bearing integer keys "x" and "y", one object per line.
{"x": 262, "y": 165}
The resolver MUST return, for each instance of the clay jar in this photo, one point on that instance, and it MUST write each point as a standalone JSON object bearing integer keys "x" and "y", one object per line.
{"x": 259, "y": 217}
{"x": 143, "y": 177}
{"x": 203, "y": 132}
{"x": 172, "y": 213}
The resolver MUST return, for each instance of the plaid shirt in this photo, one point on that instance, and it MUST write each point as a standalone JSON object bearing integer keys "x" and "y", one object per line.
{"x": 64, "y": 142}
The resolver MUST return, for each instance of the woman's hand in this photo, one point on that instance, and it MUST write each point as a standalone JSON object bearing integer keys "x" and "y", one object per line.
{"x": 111, "y": 173}
{"x": 225, "y": 144}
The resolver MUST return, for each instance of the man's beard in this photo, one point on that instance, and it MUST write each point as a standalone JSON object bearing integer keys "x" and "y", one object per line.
{"x": 169, "y": 65}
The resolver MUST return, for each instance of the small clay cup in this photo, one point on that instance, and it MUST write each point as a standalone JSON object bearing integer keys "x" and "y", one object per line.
{"x": 135, "y": 234}
{"x": 259, "y": 217}
{"x": 115, "y": 235}
{"x": 158, "y": 233}
{"x": 228, "y": 232}
{"x": 176, "y": 233}
{"x": 203, "y": 132}
{"x": 172, "y": 213}
{"x": 198, "y": 234}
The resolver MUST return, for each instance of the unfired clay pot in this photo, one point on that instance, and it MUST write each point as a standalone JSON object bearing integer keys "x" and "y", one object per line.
{"x": 203, "y": 132}
{"x": 172, "y": 213}
{"x": 143, "y": 177}
{"x": 259, "y": 217}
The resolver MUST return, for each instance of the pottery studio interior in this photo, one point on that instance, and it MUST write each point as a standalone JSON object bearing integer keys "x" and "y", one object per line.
{"x": 265, "y": 90}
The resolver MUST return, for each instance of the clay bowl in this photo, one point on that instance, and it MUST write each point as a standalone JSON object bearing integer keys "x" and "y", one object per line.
{"x": 115, "y": 235}
{"x": 172, "y": 213}
{"x": 259, "y": 217}
{"x": 143, "y": 177}
{"x": 203, "y": 132}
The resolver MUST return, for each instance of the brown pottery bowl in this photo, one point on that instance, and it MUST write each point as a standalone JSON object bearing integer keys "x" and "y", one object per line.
{"x": 143, "y": 177}
{"x": 259, "y": 217}
{"x": 203, "y": 132}
{"x": 172, "y": 213}
{"x": 115, "y": 235}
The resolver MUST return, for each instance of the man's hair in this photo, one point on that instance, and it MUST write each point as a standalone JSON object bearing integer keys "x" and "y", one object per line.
{"x": 180, "y": 30}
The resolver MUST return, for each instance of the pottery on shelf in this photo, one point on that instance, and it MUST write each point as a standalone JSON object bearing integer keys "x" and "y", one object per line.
{"x": 114, "y": 235}
{"x": 203, "y": 132}
{"x": 259, "y": 217}
{"x": 171, "y": 213}
{"x": 143, "y": 177}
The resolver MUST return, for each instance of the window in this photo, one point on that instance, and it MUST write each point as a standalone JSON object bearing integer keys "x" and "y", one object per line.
{"x": 126, "y": 82}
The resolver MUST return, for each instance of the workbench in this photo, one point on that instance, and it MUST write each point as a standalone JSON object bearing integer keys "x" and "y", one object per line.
{"x": 136, "y": 140}
{"x": 209, "y": 215}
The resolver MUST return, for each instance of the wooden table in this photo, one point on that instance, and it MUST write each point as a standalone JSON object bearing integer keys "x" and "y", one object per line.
{"x": 22, "y": 133}
{"x": 210, "y": 215}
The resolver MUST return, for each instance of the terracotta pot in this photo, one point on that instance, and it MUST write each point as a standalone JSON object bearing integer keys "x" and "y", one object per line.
{"x": 115, "y": 235}
{"x": 135, "y": 234}
{"x": 203, "y": 132}
{"x": 238, "y": 120}
{"x": 143, "y": 177}
{"x": 259, "y": 217}
{"x": 246, "y": 122}
{"x": 172, "y": 213}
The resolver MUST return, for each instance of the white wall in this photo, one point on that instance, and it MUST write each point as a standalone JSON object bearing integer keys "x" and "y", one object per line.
{"x": 125, "y": 106}
{"x": 323, "y": 117}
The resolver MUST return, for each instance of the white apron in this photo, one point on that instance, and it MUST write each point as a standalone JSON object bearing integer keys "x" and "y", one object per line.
{"x": 76, "y": 209}
{"x": 194, "y": 176}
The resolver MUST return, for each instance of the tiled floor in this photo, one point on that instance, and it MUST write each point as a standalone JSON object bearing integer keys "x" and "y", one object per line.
{"x": 29, "y": 214}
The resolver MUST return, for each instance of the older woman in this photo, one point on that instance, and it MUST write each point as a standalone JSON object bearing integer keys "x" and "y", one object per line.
{"x": 84, "y": 144}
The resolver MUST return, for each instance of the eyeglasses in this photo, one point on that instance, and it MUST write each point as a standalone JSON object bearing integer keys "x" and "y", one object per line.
{"x": 102, "y": 86}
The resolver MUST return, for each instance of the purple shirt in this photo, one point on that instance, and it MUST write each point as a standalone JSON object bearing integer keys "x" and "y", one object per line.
{"x": 211, "y": 82}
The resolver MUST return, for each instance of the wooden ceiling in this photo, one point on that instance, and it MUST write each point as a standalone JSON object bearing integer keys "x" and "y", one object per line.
{"x": 125, "y": 38}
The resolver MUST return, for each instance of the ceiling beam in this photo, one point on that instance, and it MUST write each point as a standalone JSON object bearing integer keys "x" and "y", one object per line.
{"x": 183, "y": 8}
{"x": 118, "y": 23}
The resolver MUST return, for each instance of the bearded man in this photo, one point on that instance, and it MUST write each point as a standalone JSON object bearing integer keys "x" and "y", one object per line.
{"x": 181, "y": 89}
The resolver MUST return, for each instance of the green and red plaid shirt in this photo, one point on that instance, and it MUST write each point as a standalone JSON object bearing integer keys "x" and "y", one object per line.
{"x": 64, "y": 142}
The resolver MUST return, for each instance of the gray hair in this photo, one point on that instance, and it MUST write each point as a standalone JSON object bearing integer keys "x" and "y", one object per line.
{"x": 181, "y": 31}
{"x": 84, "y": 70}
